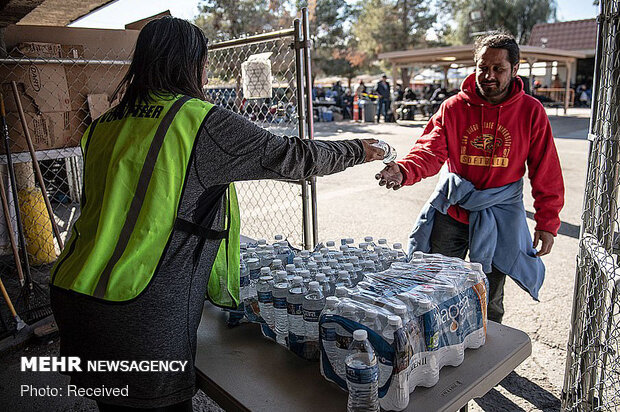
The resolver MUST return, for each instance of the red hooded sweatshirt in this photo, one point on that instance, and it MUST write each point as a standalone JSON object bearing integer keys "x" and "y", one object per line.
{"x": 489, "y": 145}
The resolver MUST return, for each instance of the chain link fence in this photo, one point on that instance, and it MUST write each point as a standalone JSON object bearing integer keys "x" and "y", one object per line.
{"x": 52, "y": 92}
{"x": 592, "y": 378}
{"x": 267, "y": 207}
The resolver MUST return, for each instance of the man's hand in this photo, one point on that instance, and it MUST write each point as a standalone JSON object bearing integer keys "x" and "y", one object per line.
{"x": 547, "y": 242}
{"x": 372, "y": 152}
{"x": 390, "y": 177}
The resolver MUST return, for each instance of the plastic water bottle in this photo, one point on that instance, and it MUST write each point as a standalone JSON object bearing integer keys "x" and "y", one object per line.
{"x": 313, "y": 267}
{"x": 371, "y": 319}
{"x": 276, "y": 264}
{"x": 324, "y": 283}
{"x": 291, "y": 271}
{"x": 400, "y": 254}
{"x": 313, "y": 304}
{"x": 254, "y": 268}
{"x": 265, "y": 299}
{"x": 306, "y": 278}
{"x": 389, "y": 152}
{"x": 344, "y": 279}
{"x": 244, "y": 281}
{"x": 341, "y": 292}
{"x": 280, "y": 292}
{"x": 327, "y": 332}
{"x": 343, "y": 339}
{"x": 294, "y": 301}
{"x": 362, "y": 375}
{"x": 299, "y": 263}
{"x": 386, "y": 366}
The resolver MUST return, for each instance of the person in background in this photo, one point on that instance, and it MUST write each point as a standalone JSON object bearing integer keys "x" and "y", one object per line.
{"x": 383, "y": 103}
{"x": 487, "y": 135}
{"x": 159, "y": 223}
{"x": 347, "y": 104}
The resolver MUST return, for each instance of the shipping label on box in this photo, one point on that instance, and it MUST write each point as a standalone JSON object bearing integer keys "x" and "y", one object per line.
{"x": 38, "y": 49}
{"x": 55, "y": 130}
{"x": 42, "y": 87}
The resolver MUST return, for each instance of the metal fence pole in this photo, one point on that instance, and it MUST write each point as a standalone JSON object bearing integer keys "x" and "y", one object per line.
{"x": 310, "y": 118}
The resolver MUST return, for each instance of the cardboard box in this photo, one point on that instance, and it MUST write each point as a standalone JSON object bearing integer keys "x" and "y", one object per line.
{"x": 54, "y": 130}
{"x": 37, "y": 49}
{"x": 42, "y": 87}
{"x": 72, "y": 51}
{"x": 92, "y": 79}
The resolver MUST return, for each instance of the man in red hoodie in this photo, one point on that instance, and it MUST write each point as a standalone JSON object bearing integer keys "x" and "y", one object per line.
{"x": 487, "y": 134}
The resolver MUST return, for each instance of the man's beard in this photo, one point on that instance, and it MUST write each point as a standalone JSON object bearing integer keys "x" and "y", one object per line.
{"x": 495, "y": 92}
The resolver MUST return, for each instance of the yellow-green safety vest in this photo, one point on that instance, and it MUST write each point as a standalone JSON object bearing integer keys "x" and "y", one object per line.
{"x": 135, "y": 170}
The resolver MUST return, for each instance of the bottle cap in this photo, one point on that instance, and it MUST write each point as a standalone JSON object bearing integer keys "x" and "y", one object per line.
{"x": 314, "y": 285}
{"x": 397, "y": 246}
{"x": 344, "y": 247}
{"x": 330, "y": 243}
{"x": 418, "y": 255}
{"x": 276, "y": 262}
{"x": 348, "y": 266}
{"x": 331, "y": 301}
{"x": 251, "y": 261}
{"x": 261, "y": 242}
{"x": 395, "y": 321}
{"x": 278, "y": 237}
{"x": 320, "y": 277}
{"x": 266, "y": 278}
{"x": 281, "y": 274}
{"x": 400, "y": 309}
{"x": 297, "y": 279}
{"x": 305, "y": 253}
{"x": 368, "y": 239}
{"x": 265, "y": 270}
{"x": 297, "y": 260}
{"x": 371, "y": 313}
{"x": 350, "y": 240}
{"x": 290, "y": 266}
{"x": 305, "y": 273}
{"x": 382, "y": 241}
{"x": 360, "y": 335}
{"x": 312, "y": 265}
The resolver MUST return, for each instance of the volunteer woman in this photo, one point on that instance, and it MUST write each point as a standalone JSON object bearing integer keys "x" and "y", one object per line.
{"x": 158, "y": 213}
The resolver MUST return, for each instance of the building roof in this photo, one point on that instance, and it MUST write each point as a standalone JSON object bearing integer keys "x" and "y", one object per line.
{"x": 47, "y": 12}
{"x": 463, "y": 55}
{"x": 577, "y": 35}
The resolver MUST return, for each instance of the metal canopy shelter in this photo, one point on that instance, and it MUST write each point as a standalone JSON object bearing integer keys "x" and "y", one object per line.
{"x": 463, "y": 56}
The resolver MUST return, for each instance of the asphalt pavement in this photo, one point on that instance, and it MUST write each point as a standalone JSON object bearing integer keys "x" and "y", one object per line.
{"x": 351, "y": 204}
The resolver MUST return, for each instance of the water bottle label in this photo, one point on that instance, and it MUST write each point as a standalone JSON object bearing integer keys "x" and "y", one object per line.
{"x": 244, "y": 281}
{"x": 365, "y": 375}
{"x": 279, "y": 303}
{"x": 295, "y": 309}
{"x": 254, "y": 273}
{"x": 311, "y": 315}
{"x": 451, "y": 321}
{"x": 343, "y": 341}
{"x": 265, "y": 297}
{"x": 328, "y": 333}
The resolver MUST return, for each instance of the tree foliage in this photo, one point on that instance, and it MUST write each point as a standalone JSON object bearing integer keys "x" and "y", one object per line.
{"x": 515, "y": 16}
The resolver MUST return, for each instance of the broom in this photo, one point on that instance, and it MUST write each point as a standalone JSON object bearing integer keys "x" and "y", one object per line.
{"x": 33, "y": 297}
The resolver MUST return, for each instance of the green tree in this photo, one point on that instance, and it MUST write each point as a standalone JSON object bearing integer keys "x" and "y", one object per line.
{"x": 389, "y": 25}
{"x": 478, "y": 16}
{"x": 329, "y": 22}
{"x": 231, "y": 19}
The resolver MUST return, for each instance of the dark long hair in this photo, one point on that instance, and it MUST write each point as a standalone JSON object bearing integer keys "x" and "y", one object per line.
{"x": 169, "y": 57}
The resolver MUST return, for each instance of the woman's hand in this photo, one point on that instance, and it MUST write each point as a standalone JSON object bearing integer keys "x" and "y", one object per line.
{"x": 372, "y": 152}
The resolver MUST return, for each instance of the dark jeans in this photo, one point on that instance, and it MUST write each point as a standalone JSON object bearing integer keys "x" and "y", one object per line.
{"x": 185, "y": 406}
{"x": 451, "y": 238}
{"x": 383, "y": 105}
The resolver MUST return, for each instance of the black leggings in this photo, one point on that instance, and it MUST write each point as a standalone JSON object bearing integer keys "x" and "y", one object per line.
{"x": 185, "y": 406}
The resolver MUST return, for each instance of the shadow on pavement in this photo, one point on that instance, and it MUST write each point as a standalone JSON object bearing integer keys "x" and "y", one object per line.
{"x": 523, "y": 388}
{"x": 531, "y": 392}
{"x": 494, "y": 401}
{"x": 566, "y": 229}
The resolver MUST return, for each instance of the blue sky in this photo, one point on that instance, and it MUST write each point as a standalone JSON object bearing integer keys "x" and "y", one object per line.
{"x": 116, "y": 15}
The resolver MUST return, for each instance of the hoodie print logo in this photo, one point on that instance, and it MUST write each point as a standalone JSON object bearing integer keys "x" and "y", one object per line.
{"x": 477, "y": 146}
